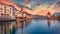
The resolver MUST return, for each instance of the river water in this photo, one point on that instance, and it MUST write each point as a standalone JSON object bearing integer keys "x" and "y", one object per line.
{"x": 34, "y": 26}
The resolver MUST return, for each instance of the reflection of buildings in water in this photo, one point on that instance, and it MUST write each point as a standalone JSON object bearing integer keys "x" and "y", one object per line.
{"x": 8, "y": 27}
{"x": 48, "y": 21}
{"x": 21, "y": 24}
{"x": 55, "y": 21}
{"x": 5, "y": 28}
{"x": 28, "y": 22}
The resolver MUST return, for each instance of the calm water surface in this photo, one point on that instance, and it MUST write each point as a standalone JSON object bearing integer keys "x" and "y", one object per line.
{"x": 35, "y": 26}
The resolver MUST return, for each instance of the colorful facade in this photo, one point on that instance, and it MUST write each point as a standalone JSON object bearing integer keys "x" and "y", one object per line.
{"x": 7, "y": 11}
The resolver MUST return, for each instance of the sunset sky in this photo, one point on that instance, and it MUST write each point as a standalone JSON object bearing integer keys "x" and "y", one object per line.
{"x": 43, "y": 3}
{"x": 40, "y": 7}
{"x": 44, "y": 7}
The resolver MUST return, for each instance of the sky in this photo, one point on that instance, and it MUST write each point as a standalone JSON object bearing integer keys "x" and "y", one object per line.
{"x": 43, "y": 3}
{"x": 40, "y": 7}
{"x": 43, "y": 7}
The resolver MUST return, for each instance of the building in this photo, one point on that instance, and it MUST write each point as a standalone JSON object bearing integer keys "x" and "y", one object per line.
{"x": 57, "y": 16}
{"x": 23, "y": 14}
{"x": 48, "y": 15}
{"x": 7, "y": 12}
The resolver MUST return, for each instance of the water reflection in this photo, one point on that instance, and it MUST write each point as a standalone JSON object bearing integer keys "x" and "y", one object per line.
{"x": 21, "y": 25}
{"x": 37, "y": 26}
{"x": 5, "y": 27}
{"x": 11, "y": 27}
{"x": 48, "y": 22}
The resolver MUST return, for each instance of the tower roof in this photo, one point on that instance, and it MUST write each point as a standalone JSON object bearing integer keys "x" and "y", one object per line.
{"x": 48, "y": 13}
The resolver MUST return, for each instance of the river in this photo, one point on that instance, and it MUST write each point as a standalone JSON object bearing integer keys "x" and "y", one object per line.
{"x": 34, "y": 26}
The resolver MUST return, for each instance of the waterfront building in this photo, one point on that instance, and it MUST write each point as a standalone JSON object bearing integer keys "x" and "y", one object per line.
{"x": 57, "y": 16}
{"x": 7, "y": 12}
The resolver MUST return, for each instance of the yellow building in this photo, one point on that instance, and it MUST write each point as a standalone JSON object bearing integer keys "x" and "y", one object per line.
{"x": 7, "y": 12}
